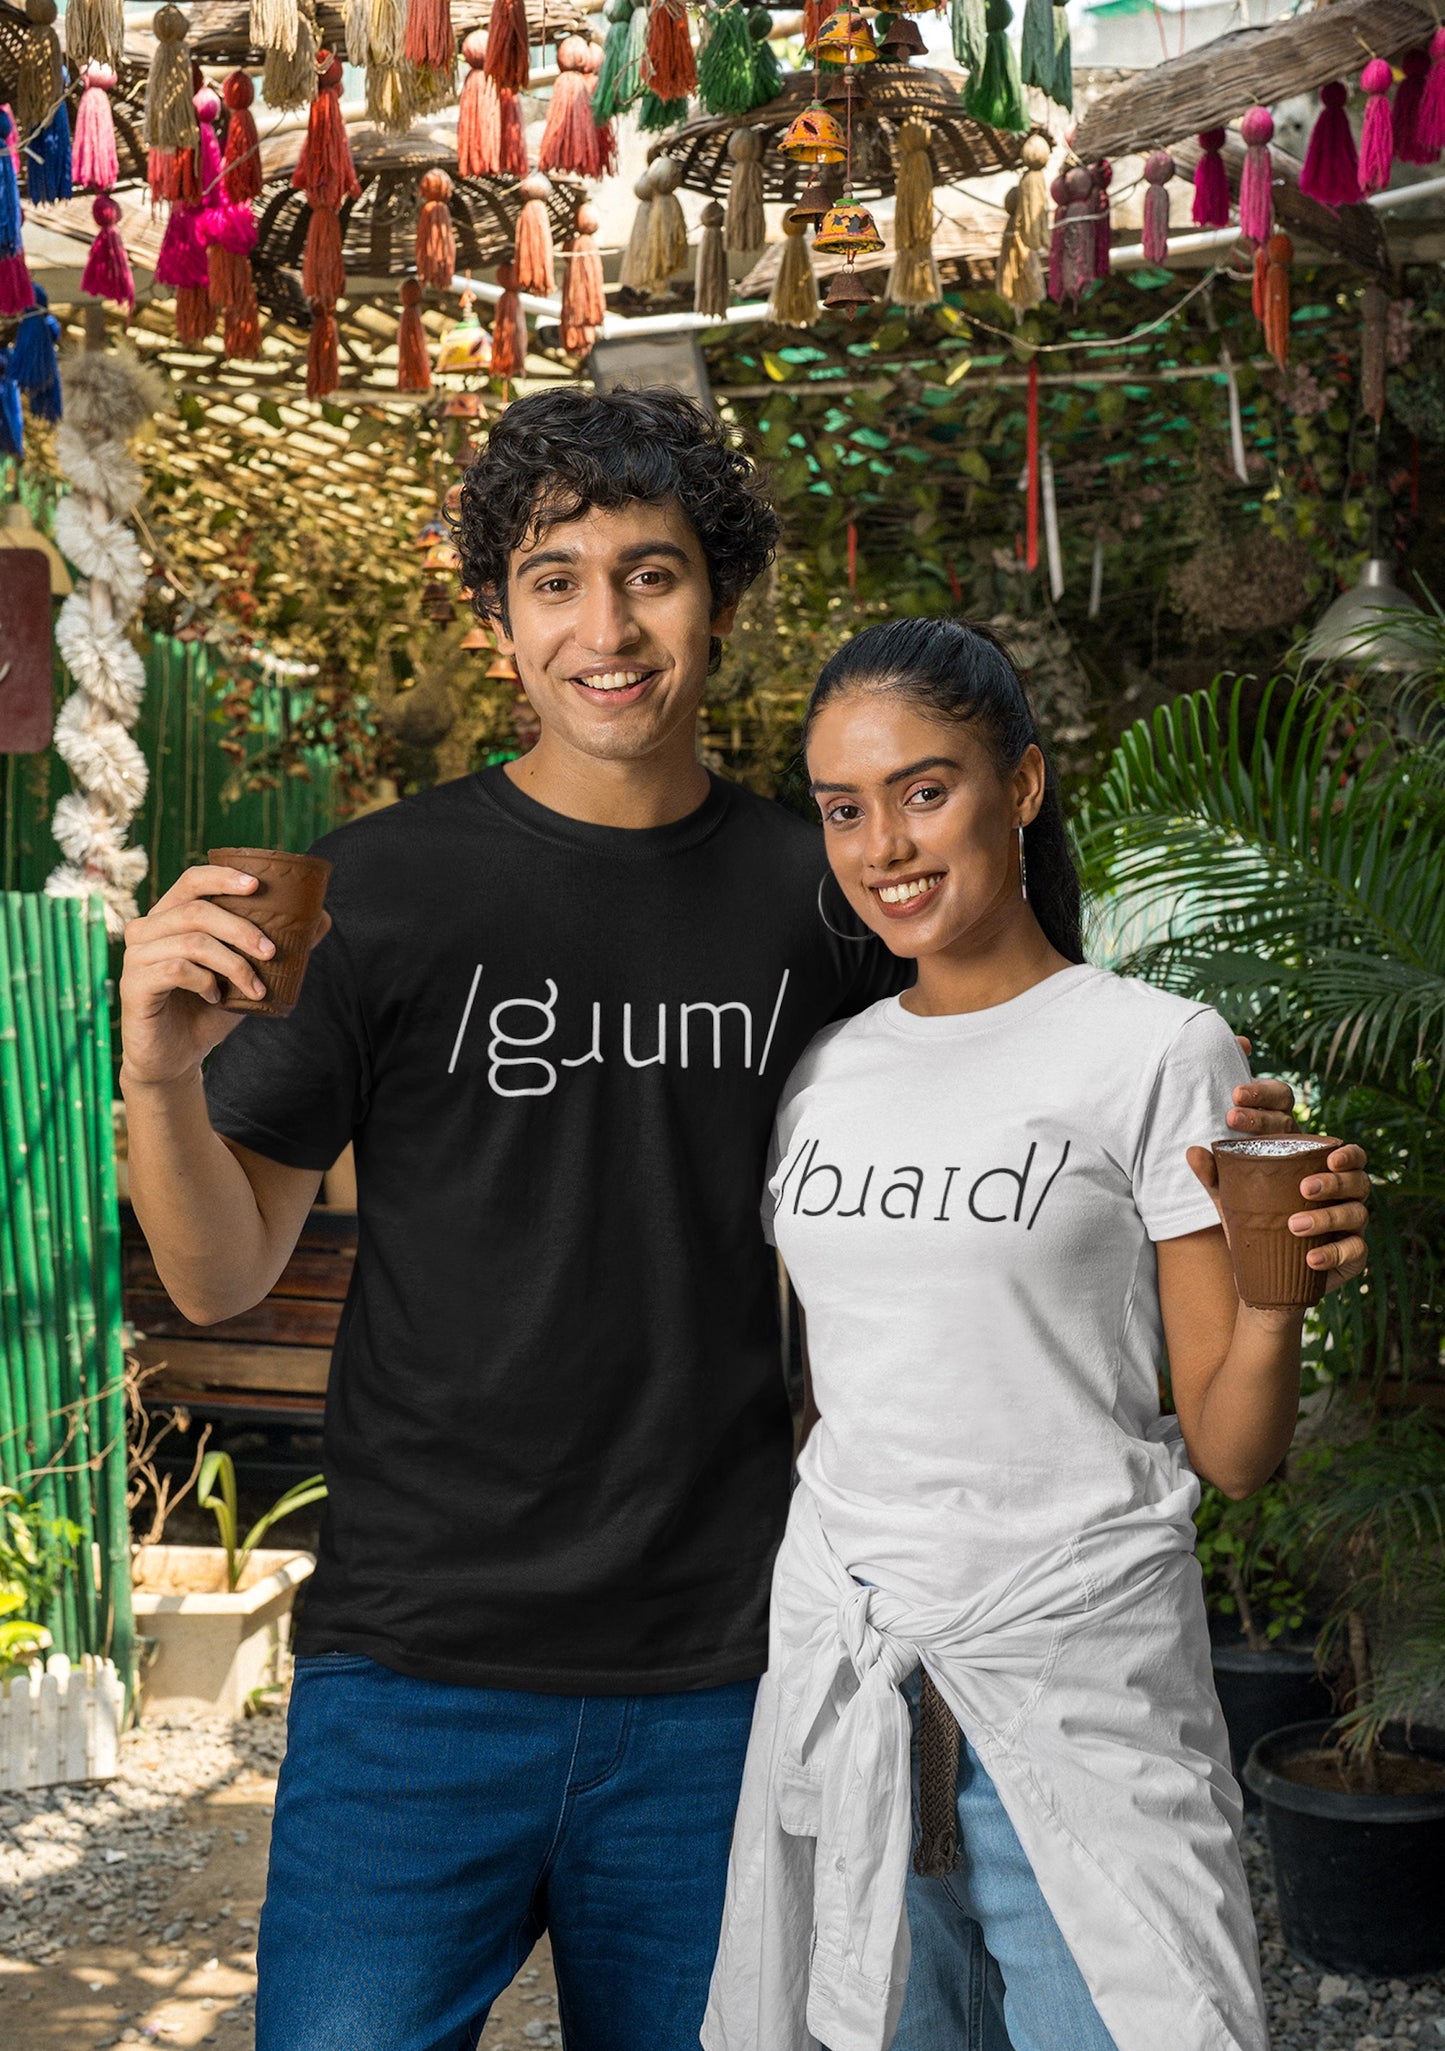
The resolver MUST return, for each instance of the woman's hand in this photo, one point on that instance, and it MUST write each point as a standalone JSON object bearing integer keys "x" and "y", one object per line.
{"x": 1342, "y": 1192}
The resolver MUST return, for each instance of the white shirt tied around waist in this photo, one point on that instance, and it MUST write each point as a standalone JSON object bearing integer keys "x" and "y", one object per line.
{"x": 1083, "y": 1683}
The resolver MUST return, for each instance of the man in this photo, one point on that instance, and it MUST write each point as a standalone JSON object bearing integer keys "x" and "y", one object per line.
{"x": 554, "y": 1012}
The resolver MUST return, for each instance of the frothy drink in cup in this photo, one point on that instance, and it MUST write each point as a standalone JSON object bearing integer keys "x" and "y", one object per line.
{"x": 1259, "y": 1190}
{"x": 287, "y": 905}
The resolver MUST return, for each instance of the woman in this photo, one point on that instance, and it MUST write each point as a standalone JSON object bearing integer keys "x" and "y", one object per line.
{"x": 991, "y": 1199}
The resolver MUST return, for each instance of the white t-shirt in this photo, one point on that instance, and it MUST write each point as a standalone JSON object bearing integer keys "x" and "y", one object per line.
{"x": 967, "y": 1208}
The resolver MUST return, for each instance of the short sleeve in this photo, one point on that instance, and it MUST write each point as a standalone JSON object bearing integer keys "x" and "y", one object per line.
{"x": 1192, "y": 1093}
{"x": 294, "y": 1088}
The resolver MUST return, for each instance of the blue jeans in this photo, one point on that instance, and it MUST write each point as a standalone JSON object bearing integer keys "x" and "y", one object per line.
{"x": 990, "y": 1968}
{"x": 426, "y": 1835}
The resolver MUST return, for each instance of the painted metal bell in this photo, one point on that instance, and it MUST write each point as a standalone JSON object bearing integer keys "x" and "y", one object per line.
{"x": 846, "y": 38}
{"x": 814, "y": 138}
{"x": 903, "y": 40}
{"x": 914, "y": 7}
{"x": 848, "y": 230}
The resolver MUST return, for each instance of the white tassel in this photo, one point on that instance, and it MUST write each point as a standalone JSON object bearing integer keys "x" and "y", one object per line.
{"x": 1051, "y": 524}
{"x": 102, "y": 468}
{"x": 100, "y": 754}
{"x": 101, "y": 547}
{"x": 91, "y": 837}
{"x": 103, "y": 662}
{"x": 275, "y": 25}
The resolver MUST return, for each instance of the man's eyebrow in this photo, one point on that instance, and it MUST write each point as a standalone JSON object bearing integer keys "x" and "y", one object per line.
{"x": 548, "y": 558}
{"x": 913, "y": 769}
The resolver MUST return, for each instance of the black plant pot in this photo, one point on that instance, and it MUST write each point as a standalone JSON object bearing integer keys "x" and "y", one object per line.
{"x": 1263, "y": 1691}
{"x": 1361, "y": 1878}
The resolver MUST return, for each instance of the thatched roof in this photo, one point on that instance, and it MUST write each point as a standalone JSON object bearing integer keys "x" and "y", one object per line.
{"x": 1354, "y": 234}
{"x": 1210, "y": 86}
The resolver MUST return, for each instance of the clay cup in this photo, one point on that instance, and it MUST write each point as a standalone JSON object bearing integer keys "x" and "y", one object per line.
{"x": 1259, "y": 1190}
{"x": 287, "y": 906}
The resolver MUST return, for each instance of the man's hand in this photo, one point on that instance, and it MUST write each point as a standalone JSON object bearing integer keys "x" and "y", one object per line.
{"x": 177, "y": 959}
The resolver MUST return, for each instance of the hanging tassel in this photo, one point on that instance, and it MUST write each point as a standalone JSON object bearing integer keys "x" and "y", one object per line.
{"x": 181, "y": 263}
{"x": 241, "y": 157}
{"x": 620, "y": 79}
{"x": 94, "y": 163}
{"x": 1018, "y": 275}
{"x": 1059, "y": 194}
{"x": 413, "y": 359}
{"x": 1080, "y": 233}
{"x": 95, "y": 34}
{"x": 1063, "y": 92}
{"x": 429, "y": 39}
{"x": 48, "y": 160}
{"x": 107, "y": 273}
{"x": 170, "y": 114}
{"x": 1211, "y": 186}
{"x": 1031, "y": 468}
{"x": 385, "y": 31}
{"x": 323, "y": 267}
{"x": 655, "y": 116}
{"x": 1256, "y": 287}
{"x": 1331, "y": 170}
{"x": 275, "y": 25}
{"x": 509, "y": 330}
{"x": 12, "y": 420}
{"x": 584, "y": 301}
{"x": 509, "y": 45}
{"x": 479, "y": 125}
{"x": 1031, "y": 217}
{"x": 710, "y": 291}
{"x": 1053, "y": 551}
{"x": 1374, "y": 307}
{"x": 1256, "y": 180}
{"x": 436, "y": 241}
{"x": 746, "y": 230}
{"x": 324, "y": 170}
{"x": 1103, "y": 235}
{"x": 794, "y": 303}
{"x": 970, "y": 34}
{"x": 994, "y": 94}
{"x": 569, "y": 137}
{"x": 767, "y": 76}
{"x": 1278, "y": 254}
{"x": 1409, "y": 100}
{"x": 604, "y": 138}
{"x": 666, "y": 227}
{"x": 228, "y": 230}
{"x": 241, "y": 329}
{"x": 1377, "y": 134}
{"x": 40, "y": 74}
{"x": 1036, "y": 48}
{"x": 632, "y": 272}
{"x": 34, "y": 364}
{"x": 669, "y": 68}
{"x": 532, "y": 256}
{"x": 1158, "y": 170}
{"x": 815, "y": 13}
{"x": 288, "y": 77}
{"x": 1430, "y": 128}
{"x": 512, "y": 147}
{"x": 725, "y": 64}
{"x": 323, "y": 370}
{"x": 913, "y": 279}
{"x": 391, "y": 103}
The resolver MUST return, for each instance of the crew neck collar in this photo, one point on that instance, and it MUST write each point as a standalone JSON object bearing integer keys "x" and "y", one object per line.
{"x": 962, "y": 1025}
{"x": 632, "y": 843}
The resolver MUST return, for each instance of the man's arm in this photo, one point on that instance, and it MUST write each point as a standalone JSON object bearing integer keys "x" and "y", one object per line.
{"x": 221, "y": 1220}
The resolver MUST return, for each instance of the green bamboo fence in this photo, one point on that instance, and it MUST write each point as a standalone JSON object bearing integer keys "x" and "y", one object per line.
{"x": 62, "y": 1367}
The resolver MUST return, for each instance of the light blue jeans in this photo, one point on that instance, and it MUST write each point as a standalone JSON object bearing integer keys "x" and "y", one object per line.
{"x": 990, "y": 1970}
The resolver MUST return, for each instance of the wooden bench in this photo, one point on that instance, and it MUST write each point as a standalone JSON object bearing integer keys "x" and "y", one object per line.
{"x": 268, "y": 1366}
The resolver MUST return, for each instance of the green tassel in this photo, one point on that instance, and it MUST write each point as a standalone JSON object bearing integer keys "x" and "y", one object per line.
{"x": 725, "y": 65}
{"x": 767, "y": 74}
{"x": 655, "y": 115}
{"x": 614, "y": 56}
{"x": 968, "y": 34}
{"x": 1063, "y": 89}
{"x": 994, "y": 95}
{"x": 1036, "y": 48}
{"x": 625, "y": 84}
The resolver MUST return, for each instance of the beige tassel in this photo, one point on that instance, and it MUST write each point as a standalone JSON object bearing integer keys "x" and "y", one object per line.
{"x": 746, "y": 229}
{"x": 711, "y": 293}
{"x": 288, "y": 79}
{"x": 1020, "y": 274}
{"x": 1032, "y": 223}
{"x": 275, "y": 25}
{"x": 40, "y": 76}
{"x": 170, "y": 113}
{"x": 358, "y": 31}
{"x": 795, "y": 291}
{"x": 390, "y": 101}
{"x": 94, "y": 34}
{"x": 632, "y": 272}
{"x": 667, "y": 227}
{"x": 914, "y": 280}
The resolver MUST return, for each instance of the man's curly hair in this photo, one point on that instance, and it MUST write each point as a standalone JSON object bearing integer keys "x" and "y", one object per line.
{"x": 554, "y": 456}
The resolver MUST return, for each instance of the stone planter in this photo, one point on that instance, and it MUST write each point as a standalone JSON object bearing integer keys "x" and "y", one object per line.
{"x": 212, "y": 1648}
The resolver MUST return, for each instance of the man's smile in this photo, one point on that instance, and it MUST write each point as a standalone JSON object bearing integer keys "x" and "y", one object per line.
{"x": 622, "y": 685}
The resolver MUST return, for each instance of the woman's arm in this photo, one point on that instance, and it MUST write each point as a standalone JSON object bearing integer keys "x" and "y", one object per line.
{"x": 1235, "y": 1370}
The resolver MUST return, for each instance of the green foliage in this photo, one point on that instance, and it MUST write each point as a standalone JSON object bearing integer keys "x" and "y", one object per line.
{"x": 37, "y": 1552}
{"x": 1246, "y": 1575}
{"x": 216, "y": 1492}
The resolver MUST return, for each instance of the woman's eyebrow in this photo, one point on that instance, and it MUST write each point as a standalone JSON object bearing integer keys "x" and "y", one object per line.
{"x": 898, "y": 776}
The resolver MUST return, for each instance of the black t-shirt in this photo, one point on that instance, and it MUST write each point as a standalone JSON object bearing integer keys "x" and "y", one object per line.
{"x": 557, "y": 1439}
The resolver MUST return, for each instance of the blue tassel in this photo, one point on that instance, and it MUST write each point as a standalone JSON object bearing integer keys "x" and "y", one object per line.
{"x": 10, "y": 244}
{"x": 12, "y": 427}
{"x": 47, "y": 160}
{"x": 34, "y": 364}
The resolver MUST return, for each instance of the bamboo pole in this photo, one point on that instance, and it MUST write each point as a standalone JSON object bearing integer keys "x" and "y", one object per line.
{"x": 14, "y": 1395}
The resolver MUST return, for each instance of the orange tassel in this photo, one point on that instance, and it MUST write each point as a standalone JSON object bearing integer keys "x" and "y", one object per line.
{"x": 230, "y": 274}
{"x": 509, "y": 330}
{"x": 1256, "y": 288}
{"x": 323, "y": 271}
{"x": 171, "y": 175}
{"x": 536, "y": 271}
{"x": 195, "y": 316}
{"x": 413, "y": 360}
{"x": 584, "y": 302}
{"x": 324, "y": 171}
{"x": 323, "y": 373}
{"x": 479, "y": 119}
{"x": 241, "y": 157}
{"x": 815, "y": 13}
{"x": 512, "y": 148}
{"x": 242, "y": 336}
{"x": 429, "y": 38}
{"x": 1279, "y": 251}
{"x": 509, "y": 45}
{"x": 569, "y": 140}
{"x": 436, "y": 242}
{"x": 668, "y": 66}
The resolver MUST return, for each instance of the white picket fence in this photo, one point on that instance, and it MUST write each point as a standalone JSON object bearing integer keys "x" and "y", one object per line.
{"x": 60, "y": 1724}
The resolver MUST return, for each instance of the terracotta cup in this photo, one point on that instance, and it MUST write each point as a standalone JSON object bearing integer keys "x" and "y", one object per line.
{"x": 1259, "y": 1188}
{"x": 287, "y": 906}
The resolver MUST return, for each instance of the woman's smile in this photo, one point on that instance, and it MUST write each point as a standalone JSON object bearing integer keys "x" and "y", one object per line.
{"x": 904, "y": 897}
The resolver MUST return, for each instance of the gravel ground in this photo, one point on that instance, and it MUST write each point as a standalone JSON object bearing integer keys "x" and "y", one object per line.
{"x": 128, "y": 1915}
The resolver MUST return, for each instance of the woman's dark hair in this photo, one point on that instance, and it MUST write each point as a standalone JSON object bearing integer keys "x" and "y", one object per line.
{"x": 554, "y": 456}
{"x": 964, "y": 673}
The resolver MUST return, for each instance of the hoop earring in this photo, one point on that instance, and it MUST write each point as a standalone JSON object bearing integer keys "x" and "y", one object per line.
{"x": 1023, "y": 865}
{"x": 853, "y": 939}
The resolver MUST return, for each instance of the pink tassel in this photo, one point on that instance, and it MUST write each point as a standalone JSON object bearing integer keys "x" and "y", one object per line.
{"x": 17, "y": 293}
{"x": 1158, "y": 170}
{"x": 1079, "y": 232}
{"x": 1409, "y": 101}
{"x": 1103, "y": 236}
{"x": 1256, "y": 195}
{"x": 1211, "y": 187}
{"x": 1430, "y": 129}
{"x": 208, "y": 150}
{"x": 93, "y": 159}
{"x": 107, "y": 273}
{"x": 1377, "y": 137}
{"x": 182, "y": 258}
{"x": 1331, "y": 170}
{"x": 479, "y": 121}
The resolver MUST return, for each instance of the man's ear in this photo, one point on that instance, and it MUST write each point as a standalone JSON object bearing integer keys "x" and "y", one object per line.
{"x": 722, "y": 622}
